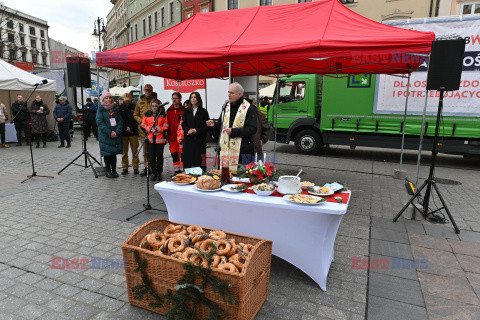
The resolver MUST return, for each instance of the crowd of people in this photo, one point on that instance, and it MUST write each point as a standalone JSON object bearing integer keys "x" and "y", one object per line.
{"x": 121, "y": 126}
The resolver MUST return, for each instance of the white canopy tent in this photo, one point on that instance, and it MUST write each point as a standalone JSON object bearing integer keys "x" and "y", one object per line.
{"x": 14, "y": 81}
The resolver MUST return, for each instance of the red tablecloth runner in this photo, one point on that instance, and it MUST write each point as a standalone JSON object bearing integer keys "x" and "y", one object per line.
{"x": 345, "y": 196}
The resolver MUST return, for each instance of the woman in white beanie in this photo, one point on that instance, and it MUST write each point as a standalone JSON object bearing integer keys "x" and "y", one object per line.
{"x": 110, "y": 127}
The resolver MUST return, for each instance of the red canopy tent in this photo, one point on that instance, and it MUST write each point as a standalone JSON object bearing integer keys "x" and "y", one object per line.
{"x": 317, "y": 37}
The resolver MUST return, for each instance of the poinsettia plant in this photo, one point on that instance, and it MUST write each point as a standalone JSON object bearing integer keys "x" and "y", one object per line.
{"x": 259, "y": 172}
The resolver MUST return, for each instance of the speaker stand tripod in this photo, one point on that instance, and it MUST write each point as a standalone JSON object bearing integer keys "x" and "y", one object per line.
{"x": 85, "y": 153}
{"x": 430, "y": 182}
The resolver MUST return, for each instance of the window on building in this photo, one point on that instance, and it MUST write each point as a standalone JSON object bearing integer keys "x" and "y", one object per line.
{"x": 292, "y": 91}
{"x": 302, "y": 1}
{"x": 149, "y": 24}
{"x": 12, "y": 54}
{"x": 11, "y": 37}
{"x": 232, "y": 4}
{"x": 20, "y": 27}
{"x": 131, "y": 34}
{"x": 155, "y": 20}
{"x": 144, "y": 32}
{"x": 43, "y": 45}
{"x": 347, "y": 1}
{"x": 33, "y": 43}
{"x": 32, "y": 31}
{"x": 34, "y": 58}
{"x": 204, "y": 9}
{"x": 188, "y": 14}
{"x": 136, "y": 32}
{"x": 265, "y": 2}
{"x": 10, "y": 24}
{"x": 162, "y": 16}
{"x": 42, "y": 33}
{"x": 24, "y": 56}
{"x": 22, "y": 41}
{"x": 44, "y": 60}
{"x": 470, "y": 8}
{"x": 170, "y": 9}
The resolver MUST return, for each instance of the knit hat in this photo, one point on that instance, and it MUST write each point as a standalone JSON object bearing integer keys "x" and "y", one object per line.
{"x": 148, "y": 87}
{"x": 105, "y": 94}
{"x": 127, "y": 96}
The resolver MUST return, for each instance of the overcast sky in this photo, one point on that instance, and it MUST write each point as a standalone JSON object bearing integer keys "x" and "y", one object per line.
{"x": 70, "y": 21}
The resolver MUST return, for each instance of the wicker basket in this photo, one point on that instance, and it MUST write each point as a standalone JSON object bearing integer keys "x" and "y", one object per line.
{"x": 249, "y": 288}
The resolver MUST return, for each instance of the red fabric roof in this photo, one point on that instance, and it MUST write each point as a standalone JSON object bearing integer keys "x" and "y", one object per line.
{"x": 316, "y": 37}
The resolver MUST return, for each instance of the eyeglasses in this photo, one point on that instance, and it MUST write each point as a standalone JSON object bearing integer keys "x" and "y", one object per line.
{"x": 147, "y": 90}
{"x": 175, "y": 98}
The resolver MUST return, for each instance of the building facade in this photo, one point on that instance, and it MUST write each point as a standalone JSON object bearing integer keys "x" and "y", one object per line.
{"x": 146, "y": 18}
{"x": 120, "y": 77}
{"x": 24, "y": 39}
{"x": 190, "y": 7}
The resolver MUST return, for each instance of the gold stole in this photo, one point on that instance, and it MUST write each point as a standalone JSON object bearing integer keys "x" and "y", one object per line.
{"x": 230, "y": 147}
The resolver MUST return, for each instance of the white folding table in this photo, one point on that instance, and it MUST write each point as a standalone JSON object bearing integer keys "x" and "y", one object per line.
{"x": 302, "y": 235}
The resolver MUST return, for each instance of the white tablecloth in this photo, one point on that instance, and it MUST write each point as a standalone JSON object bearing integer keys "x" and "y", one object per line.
{"x": 10, "y": 132}
{"x": 302, "y": 235}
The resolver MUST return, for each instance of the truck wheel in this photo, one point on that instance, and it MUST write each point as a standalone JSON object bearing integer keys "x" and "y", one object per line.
{"x": 308, "y": 142}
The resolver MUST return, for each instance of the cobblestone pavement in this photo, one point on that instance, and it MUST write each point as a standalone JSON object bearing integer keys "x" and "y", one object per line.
{"x": 75, "y": 215}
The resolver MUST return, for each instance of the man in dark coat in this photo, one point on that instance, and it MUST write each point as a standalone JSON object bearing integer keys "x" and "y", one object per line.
{"x": 263, "y": 131}
{"x": 62, "y": 114}
{"x": 243, "y": 127}
{"x": 129, "y": 134}
{"x": 90, "y": 123}
{"x": 20, "y": 119}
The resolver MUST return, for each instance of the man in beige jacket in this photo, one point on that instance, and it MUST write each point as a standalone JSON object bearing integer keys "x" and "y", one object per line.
{"x": 143, "y": 105}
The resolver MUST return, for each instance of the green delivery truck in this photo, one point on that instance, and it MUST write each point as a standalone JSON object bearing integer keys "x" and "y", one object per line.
{"x": 368, "y": 110}
{"x": 316, "y": 111}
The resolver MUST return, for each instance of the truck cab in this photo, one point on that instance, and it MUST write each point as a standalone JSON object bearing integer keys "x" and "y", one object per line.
{"x": 298, "y": 112}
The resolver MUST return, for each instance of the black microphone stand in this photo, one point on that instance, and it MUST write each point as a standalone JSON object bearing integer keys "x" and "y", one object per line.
{"x": 217, "y": 148}
{"x": 25, "y": 103}
{"x": 147, "y": 206}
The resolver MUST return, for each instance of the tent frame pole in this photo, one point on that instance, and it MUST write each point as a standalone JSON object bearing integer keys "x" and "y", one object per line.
{"x": 277, "y": 95}
{"x": 404, "y": 121}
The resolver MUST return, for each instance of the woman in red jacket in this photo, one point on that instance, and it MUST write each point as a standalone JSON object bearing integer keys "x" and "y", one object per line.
{"x": 156, "y": 138}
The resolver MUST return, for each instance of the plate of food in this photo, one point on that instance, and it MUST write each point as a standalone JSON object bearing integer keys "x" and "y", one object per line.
{"x": 183, "y": 179}
{"x": 306, "y": 184}
{"x": 304, "y": 199}
{"x": 264, "y": 189}
{"x": 335, "y": 187}
{"x": 235, "y": 187}
{"x": 208, "y": 184}
{"x": 320, "y": 191}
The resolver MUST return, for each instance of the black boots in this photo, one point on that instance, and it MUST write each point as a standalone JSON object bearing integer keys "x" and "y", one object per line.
{"x": 124, "y": 172}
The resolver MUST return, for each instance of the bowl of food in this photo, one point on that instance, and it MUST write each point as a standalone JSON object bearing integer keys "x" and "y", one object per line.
{"x": 306, "y": 184}
{"x": 263, "y": 189}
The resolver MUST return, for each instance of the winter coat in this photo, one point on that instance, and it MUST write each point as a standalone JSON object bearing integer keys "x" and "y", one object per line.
{"x": 157, "y": 135}
{"x": 91, "y": 111}
{"x": 39, "y": 121}
{"x": 19, "y": 112}
{"x": 109, "y": 146}
{"x": 263, "y": 131}
{"x": 126, "y": 111}
{"x": 63, "y": 111}
{"x": 173, "y": 117}
{"x": 143, "y": 106}
{"x": 3, "y": 113}
{"x": 195, "y": 145}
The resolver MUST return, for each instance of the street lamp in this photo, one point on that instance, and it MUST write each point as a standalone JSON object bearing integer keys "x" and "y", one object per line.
{"x": 96, "y": 25}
